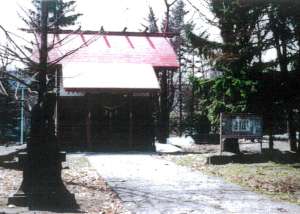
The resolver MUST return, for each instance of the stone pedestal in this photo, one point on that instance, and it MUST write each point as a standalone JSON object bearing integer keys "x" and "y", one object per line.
{"x": 42, "y": 186}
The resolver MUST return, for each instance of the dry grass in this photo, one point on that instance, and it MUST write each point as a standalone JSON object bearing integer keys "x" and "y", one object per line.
{"x": 92, "y": 193}
{"x": 279, "y": 181}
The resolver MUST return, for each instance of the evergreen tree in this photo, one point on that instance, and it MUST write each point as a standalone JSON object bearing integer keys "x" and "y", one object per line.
{"x": 61, "y": 13}
{"x": 177, "y": 14}
{"x": 152, "y": 21}
{"x": 233, "y": 57}
{"x": 248, "y": 83}
{"x": 295, "y": 20}
{"x": 170, "y": 82}
{"x": 283, "y": 29}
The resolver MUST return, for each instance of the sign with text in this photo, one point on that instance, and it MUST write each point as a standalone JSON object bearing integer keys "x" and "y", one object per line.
{"x": 241, "y": 126}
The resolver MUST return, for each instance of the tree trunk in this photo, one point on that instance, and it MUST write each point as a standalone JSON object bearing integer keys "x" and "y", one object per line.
{"x": 291, "y": 132}
{"x": 180, "y": 101}
{"x": 42, "y": 183}
{"x": 42, "y": 175}
{"x": 231, "y": 145}
{"x": 164, "y": 113}
{"x": 271, "y": 141}
{"x": 298, "y": 148}
{"x": 192, "y": 107}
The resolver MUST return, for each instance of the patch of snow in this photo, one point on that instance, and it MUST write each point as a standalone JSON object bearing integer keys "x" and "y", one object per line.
{"x": 182, "y": 142}
{"x": 167, "y": 148}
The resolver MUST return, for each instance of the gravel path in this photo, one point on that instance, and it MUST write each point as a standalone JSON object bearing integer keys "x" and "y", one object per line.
{"x": 148, "y": 184}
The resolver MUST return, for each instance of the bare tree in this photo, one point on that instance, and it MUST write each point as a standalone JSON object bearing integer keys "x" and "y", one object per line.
{"x": 4, "y": 62}
{"x": 41, "y": 174}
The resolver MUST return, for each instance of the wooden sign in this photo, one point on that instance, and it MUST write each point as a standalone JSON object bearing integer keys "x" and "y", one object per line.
{"x": 241, "y": 126}
{"x": 248, "y": 126}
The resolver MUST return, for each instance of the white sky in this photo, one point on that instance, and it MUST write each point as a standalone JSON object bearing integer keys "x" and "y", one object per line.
{"x": 114, "y": 15}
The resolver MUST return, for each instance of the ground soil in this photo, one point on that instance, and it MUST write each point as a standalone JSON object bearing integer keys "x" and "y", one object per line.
{"x": 277, "y": 179}
{"x": 92, "y": 193}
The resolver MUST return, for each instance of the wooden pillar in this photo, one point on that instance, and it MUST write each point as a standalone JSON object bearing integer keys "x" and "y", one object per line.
{"x": 153, "y": 100}
{"x": 130, "y": 138}
{"x": 156, "y": 112}
{"x": 164, "y": 113}
{"x": 88, "y": 122}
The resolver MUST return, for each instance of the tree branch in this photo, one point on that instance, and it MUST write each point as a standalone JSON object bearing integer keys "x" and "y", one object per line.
{"x": 15, "y": 44}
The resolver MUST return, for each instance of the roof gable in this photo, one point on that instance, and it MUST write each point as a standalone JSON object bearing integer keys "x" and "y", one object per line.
{"x": 138, "y": 49}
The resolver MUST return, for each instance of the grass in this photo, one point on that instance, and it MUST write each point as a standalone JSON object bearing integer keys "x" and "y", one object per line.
{"x": 279, "y": 181}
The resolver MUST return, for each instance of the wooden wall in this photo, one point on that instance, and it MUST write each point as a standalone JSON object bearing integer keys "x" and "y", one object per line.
{"x": 107, "y": 121}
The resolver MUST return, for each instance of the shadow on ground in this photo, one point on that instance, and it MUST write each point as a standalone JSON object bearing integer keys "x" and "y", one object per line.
{"x": 61, "y": 201}
{"x": 46, "y": 195}
{"x": 266, "y": 156}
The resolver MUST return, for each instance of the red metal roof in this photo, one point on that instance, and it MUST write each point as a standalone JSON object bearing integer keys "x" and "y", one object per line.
{"x": 146, "y": 49}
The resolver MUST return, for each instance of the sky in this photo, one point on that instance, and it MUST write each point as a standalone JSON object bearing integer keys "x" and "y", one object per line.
{"x": 114, "y": 15}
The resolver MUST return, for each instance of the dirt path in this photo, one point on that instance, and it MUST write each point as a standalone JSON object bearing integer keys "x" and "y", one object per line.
{"x": 147, "y": 184}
